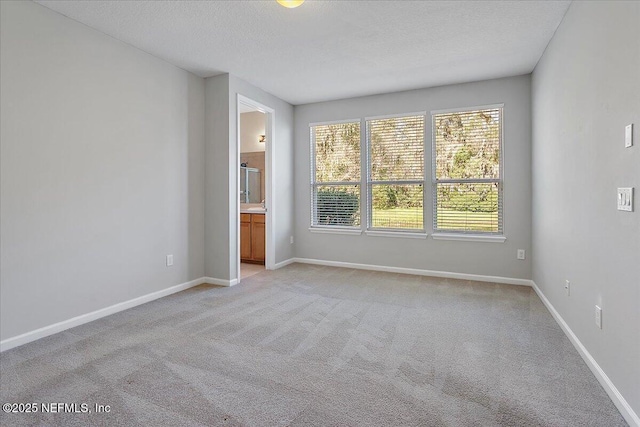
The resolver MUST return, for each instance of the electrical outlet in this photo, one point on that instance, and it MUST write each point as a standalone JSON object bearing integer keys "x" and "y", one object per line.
{"x": 291, "y": 240}
{"x": 567, "y": 287}
{"x": 169, "y": 260}
{"x": 521, "y": 253}
{"x": 598, "y": 317}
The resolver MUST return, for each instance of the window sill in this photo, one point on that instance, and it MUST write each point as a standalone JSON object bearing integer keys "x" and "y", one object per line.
{"x": 400, "y": 234}
{"x": 328, "y": 230}
{"x": 469, "y": 237}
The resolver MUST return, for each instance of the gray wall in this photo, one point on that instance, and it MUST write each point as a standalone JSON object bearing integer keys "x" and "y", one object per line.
{"x": 222, "y": 162}
{"x": 217, "y": 230}
{"x": 586, "y": 88}
{"x": 494, "y": 259}
{"x": 102, "y": 170}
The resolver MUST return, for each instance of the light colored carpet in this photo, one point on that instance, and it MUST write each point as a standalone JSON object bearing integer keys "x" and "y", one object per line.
{"x": 316, "y": 346}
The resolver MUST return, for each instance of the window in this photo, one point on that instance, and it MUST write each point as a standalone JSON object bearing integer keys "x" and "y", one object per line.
{"x": 467, "y": 172}
{"x": 335, "y": 175}
{"x": 395, "y": 178}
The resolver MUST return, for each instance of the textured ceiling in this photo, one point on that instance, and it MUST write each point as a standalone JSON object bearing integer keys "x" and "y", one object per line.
{"x": 326, "y": 50}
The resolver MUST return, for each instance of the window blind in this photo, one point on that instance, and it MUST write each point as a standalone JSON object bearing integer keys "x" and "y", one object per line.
{"x": 467, "y": 184}
{"x": 395, "y": 173}
{"x": 335, "y": 175}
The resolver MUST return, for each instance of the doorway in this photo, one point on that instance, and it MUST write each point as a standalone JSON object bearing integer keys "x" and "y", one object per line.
{"x": 255, "y": 123}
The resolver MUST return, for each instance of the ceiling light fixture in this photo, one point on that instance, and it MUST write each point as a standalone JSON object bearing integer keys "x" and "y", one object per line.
{"x": 290, "y": 3}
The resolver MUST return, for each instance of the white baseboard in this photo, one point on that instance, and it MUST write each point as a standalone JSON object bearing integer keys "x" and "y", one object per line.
{"x": 284, "y": 263}
{"x": 417, "y": 272}
{"x": 220, "y": 282}
{"x": 27, "y": 337}
{"x": 621, "y": 403}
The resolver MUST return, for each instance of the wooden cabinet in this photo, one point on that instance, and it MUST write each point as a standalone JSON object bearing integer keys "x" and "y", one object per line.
{"x": 245, "y": 240}
{"x": 257, "y": 237}
{"x": 252, "y": 238}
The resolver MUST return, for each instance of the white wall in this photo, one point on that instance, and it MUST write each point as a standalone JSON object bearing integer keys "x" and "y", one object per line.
{"x": 252, "y": 125}
{"x": 493, "y": 259}
{"x": 221, "y": 255}
{"x": 102, "y": 170}
{"x": 586, "y": 88}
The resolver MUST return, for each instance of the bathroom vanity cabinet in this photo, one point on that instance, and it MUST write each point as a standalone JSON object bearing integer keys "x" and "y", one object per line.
{"x": 252, "y": 237}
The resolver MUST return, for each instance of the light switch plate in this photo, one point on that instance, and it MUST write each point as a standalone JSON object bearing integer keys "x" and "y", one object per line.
{"x": 628, "y": 136}
{"x": 625, "y": 199}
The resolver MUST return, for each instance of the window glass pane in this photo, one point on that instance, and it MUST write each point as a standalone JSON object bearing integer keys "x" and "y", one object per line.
{"x": 337, "y": 151}
{"x": 397, "y": 206}
{"x": 337, "y": 205}
{"x": 396, "y": 148}
{"x": 468, "y": 207}
{"x": 468, "y": 144}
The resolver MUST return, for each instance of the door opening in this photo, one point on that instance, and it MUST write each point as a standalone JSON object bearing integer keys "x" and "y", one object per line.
{"x": 254, "y": 149}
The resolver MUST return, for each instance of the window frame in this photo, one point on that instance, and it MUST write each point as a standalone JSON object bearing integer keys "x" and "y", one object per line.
{"x": 386, "y": 231}
{"x": 477, "y": 235}
{"x": 318, "y": 228}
